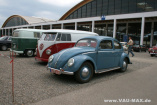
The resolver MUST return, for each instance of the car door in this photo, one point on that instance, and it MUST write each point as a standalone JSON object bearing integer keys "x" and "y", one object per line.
{"x": 105, "y": 57}
{"x": 117, "y": 53}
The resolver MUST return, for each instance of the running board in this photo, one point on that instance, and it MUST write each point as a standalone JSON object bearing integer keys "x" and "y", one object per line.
{"x": 106, "y": 70}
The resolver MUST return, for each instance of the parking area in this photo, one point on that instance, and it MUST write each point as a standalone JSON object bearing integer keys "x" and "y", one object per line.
{"x": 34, "y": 83}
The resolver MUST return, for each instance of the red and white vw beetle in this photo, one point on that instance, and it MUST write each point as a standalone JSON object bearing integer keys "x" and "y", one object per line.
{"x": 53, "y": 41}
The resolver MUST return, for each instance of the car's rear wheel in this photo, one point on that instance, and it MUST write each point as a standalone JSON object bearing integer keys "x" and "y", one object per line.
{"x": 85, "y": 73}
{"x": 152, "y": 55}
{"x": 124, "y": 66}
{"x": 4, "y": 47}
{"x": 29, "y": 53}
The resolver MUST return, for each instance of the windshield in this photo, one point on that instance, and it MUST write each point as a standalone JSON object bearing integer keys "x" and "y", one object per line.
{"x": 3, "y": 38}
{"x": 48, "y": 36}
{"x": 86, "y": 43}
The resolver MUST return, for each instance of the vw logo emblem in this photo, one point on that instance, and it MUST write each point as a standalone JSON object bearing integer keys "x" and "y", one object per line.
{"x": 41, "y": 46}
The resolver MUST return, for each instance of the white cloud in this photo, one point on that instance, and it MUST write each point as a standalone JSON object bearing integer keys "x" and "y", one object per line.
{"x": 3, "y": 3}
{"x": 48, "y": 15}
{"x": 61, "y": 3}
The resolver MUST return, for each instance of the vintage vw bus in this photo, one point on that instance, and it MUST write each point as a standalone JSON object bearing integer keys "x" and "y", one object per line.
{"x": 53, "y": 41}
{"x": 24, "y": 41}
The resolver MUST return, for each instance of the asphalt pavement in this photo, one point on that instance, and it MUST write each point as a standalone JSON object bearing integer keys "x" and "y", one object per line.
{"x": 34, "y": 85}
{"x": 135, "y": 88}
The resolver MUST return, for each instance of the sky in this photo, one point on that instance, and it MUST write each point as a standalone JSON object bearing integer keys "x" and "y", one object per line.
{"x": 50, "y": 9}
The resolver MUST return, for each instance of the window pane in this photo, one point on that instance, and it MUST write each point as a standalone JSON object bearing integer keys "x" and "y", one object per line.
{"x": 68, "y": 37}
{"x": 117, "y": 6}
{"x": 94, "y": 8}
{"x": 58, "y": 37}
{"x": 79, "y": 13}
{"x": 125, "y": 6}
{"x": 75, "y": 14}
{"x": 106, "y": 44}
{"x": 141, "y": 5}
{"x": 99, "y": 7}
{"x": 117, "y": 45}
{"x": 105, "y": 7}
{"x": 36, "y": 34}
{"x": 50, "y": 36}
{"x": 63, "y": 38}
{"x": 150, "y": 5}
{"x": 84, "y": 11}
{"x": 111, "y": 7}
{"x": 132, "y": 6}
{"x": 89, "y": 10}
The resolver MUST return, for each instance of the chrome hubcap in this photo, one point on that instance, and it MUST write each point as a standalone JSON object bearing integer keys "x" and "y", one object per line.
{"x": 29, "y": 52}
{"x": 85, "y": 72}
{"x": 4, "y": 48}
{"x": 124, "y": 65}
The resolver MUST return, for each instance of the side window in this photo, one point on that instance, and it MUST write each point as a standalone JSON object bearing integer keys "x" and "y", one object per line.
{"x": 68, "y": 37}
{"x": 36, "y": 34}
{"x": 106, "y": 44}
{"x": 50, "y": 37}
{"x": 59, "y": 37}
{"x": 9, "y": 38}
{"x": 65, "y": 37}
{"x": 117, "y": 45}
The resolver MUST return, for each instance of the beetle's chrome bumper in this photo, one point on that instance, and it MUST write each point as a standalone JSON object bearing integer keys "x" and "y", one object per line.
{"x": 61, "y": 71}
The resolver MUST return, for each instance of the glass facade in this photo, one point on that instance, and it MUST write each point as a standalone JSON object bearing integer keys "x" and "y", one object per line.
{"x": 16, "y": 21}
{"x": 113, "y": 7}
{"x": 69, "y": 26}
{"x": 121, "y": 32}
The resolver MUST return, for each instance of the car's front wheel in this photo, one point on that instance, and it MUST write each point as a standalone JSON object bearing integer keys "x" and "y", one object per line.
{"x": 85, "y": 73}
{"x": 124, "y": 66}
{"x": 4, "y": 47}
{"x": 152, "y": 55}
{"x": 29, "y": 53}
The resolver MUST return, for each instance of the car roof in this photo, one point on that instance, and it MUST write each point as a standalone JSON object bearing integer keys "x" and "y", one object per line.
{"x": 98, "y": 37}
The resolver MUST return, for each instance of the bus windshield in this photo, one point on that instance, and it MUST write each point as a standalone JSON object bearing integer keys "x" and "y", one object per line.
{"x": 48, "y": 36}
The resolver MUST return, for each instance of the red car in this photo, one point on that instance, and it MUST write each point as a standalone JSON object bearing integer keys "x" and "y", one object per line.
{"x": 153, "y": 51}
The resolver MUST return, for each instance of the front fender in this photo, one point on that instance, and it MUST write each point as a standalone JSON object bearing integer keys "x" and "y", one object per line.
{"x": 78, "y": 61}
{"x": 123, "y": 56}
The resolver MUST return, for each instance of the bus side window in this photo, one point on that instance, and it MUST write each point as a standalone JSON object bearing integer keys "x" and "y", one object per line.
{"x": 58, "y": 37}
{"x": 36, "y": 34}
{"x": 66, "y": 37}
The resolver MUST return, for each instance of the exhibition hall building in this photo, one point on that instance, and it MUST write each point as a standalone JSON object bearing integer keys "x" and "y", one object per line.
{"x": 115, "y": 18}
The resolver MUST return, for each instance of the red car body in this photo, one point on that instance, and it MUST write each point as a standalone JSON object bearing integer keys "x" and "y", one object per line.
{"x": 153, "y": 51}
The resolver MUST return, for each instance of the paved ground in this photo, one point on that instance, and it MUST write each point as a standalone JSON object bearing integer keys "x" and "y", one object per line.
{"x": 35, "y": 85}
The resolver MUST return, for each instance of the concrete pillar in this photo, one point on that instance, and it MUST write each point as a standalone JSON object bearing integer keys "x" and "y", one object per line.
{"x": 127, "y": 28}
{"x": 33, "y": 27}
{"x": 93, "y": 26}
{"x": 106, "y": 29}
{"x": 62, "y": 26}
{"x": 5, "y": 32}
{"x": 142, "y": 30}
{"x": 2, "y": 31}
{"x": 8, "y": 32}
{"x": 75, "y": 25}
{"x": 50, "y": 26}
{"x": 41, "y": 26}
{"x": 152, "y": 35}
{"x": 114, "y": 28}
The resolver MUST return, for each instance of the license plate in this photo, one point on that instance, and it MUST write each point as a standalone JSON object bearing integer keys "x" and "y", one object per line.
{"x": 55, "y": 71}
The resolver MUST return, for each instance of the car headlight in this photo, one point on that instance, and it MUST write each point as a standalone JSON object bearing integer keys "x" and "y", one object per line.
{"x": 48, "y": 52}
{"x": 70, "y": 62}
{"x": 51, "y": 58}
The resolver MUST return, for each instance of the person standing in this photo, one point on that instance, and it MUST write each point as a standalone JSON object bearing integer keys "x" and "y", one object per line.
{"x": 130, "y": 43}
